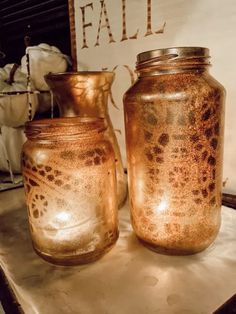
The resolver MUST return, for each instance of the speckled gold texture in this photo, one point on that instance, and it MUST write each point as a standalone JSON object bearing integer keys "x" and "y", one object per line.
{"x": 68, "y": 169}
{"x": 86, "y": 94}
{"x": 174, "y": 138}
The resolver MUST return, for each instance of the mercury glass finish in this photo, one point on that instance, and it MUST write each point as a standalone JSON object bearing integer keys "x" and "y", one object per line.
{"x": 69, "y": 178}
{"x": 86, "y": 94}
{"x": 174, "y": 119}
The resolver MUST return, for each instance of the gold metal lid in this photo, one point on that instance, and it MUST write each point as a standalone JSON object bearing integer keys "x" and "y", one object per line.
{"x": 173, "y": 53}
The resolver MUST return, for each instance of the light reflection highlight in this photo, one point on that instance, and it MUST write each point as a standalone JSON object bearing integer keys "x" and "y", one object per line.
{"x": 162, "y": 206}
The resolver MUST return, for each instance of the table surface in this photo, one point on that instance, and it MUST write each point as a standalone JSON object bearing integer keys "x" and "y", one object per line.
{"x": 130, "y": 279}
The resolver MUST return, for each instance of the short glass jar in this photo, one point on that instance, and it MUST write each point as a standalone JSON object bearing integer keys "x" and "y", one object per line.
{"x": 70, "y": 185}
{"x": 174, "y": 120}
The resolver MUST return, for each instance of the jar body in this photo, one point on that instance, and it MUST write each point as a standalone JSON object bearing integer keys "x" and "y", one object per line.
{"x": 71, "y": 198}
{"x": 174, "y": 138}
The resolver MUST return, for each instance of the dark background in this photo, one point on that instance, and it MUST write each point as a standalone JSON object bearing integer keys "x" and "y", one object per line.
{"x": 44, "y": 21}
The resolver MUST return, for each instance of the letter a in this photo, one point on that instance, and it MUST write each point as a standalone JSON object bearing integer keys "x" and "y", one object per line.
{"x": 106, "y": 25}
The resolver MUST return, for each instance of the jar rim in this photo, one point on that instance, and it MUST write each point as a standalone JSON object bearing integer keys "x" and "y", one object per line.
{"x": 66, "y": 127}
{"x": 62, "y": 75}
{"x": 65, "y": 121}
{"x": 174, "y": 53}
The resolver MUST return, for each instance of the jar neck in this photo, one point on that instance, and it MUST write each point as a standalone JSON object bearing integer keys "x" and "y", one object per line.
{"x": 65, "y": 129}
{"x": 173, "y": 60}
{"x": 83, "y": 93}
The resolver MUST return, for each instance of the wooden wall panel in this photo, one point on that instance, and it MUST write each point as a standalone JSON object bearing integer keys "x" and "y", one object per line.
{"x": 44, "y": 21}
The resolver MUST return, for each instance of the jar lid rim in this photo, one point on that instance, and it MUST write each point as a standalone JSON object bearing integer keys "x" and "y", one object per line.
{"x": 174, "y": 52}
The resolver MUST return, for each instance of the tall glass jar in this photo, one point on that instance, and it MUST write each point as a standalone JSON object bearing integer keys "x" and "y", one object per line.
{"x": 70, "y": 185}
{"x": 174, "y": 119}
{"x": 85, "y": 94}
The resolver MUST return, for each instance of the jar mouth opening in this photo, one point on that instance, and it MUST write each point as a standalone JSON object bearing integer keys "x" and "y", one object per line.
{"x": 65, "y": 121}
{"x": 65, "y": 128}
{"x": 64, "y": 75}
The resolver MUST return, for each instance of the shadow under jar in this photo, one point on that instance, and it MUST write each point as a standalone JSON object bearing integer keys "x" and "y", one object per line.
{"x": 174, "y": 120}
{"x": 70, "y": 185}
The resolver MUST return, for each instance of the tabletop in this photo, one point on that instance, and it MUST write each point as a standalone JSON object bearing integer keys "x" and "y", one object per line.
{"x": 130, "y": 279}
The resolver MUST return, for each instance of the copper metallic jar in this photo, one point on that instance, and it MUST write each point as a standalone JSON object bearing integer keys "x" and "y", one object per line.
{"x": 70, "y": 185}
{"x": 85, "y": 94}
{"x": 174, "y": 119}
